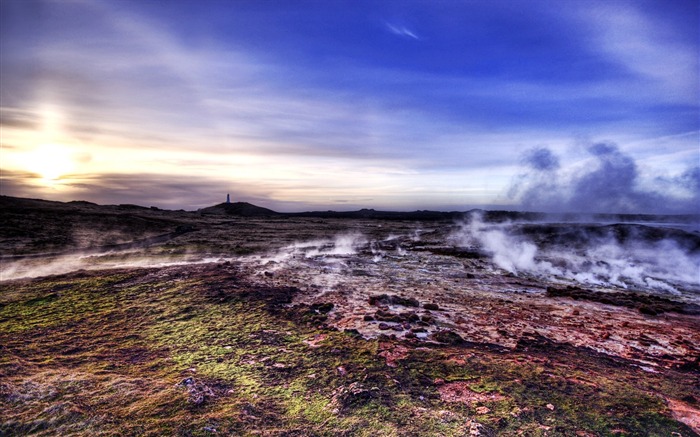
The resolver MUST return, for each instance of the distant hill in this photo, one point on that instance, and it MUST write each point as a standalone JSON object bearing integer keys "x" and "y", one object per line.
{"x": 240, "y": 209}
{"x": 381, "y": 215}
{"x": 244, "y": 209}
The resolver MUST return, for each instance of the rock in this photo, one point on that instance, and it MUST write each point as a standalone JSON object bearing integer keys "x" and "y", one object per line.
{"x": 534, "y": 341}
{"x": 410, "y": 316}
{"x": 482, "y": 410}
{"x": 384, "y": 326}
{"x": 648, "y": 310}
{"x": 323, "y": 308}
{"x": 646, "y": 304}
{"x": 375, "y": 300}
{"x": 198, "y": 393}
{"x": 368, "y": 318}
{"x": 475, "y": 427}
{"x": 352, "y": 332}
{"x": 550, "y": 406}
{"x": 385, "y": 299}
{"x": 386, "y": 316}
{"x": 431, "y": 306}
{"x": 689, "y": 366}
{"x": 183, "y": 229}
{"x": 404, "y": 301}
{"x": 689, "y": 399}
{"x": 446, "y": 337}
{"x": 427, "y": 319}
{"x": 353, "y": 395}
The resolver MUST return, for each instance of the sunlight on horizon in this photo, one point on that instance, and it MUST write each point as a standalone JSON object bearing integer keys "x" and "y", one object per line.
{"x": 50, "y": 161}
{"x": 123, "y": 104}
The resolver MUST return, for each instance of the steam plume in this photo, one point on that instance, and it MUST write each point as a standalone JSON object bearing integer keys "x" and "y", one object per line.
{"x": 601, "y": 259}
{"x": 611, "y": 185}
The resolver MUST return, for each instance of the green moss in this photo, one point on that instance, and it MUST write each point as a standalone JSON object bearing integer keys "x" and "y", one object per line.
{"x": 314, "y": 409}
{"x": 485, "y": 386}
{"x": 122, "y": 343}
{"x": 57, "y": 302}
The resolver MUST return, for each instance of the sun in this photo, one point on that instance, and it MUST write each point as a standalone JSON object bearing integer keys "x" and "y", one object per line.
{"x": 50, "y": 161}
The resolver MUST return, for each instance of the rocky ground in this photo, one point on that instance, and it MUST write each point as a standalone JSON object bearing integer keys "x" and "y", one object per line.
{"x": 135, "y": 321}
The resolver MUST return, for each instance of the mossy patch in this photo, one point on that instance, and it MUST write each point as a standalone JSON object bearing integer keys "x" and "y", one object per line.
{"x": 195, "y": 350}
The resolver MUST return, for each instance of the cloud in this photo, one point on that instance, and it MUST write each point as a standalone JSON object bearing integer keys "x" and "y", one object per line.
{"x": 686, "y": 184}
{"x": 652, "y": 44}
{"x": 401, "y": 31}
{"x": 300, "y": 105}
{"x": 17, "y": 183}
{"x": 144, "y": 189}
{"x": 16, "y": 118}
{"x": 608, "y": 182}
{"x": 541, "y": 159}
{"x": 690, "y": 180}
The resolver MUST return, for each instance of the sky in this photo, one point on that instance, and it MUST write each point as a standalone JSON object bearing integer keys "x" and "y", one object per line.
{"x": 571, "y": 105}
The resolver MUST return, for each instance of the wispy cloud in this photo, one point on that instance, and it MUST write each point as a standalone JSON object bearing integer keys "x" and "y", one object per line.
{"x": 294, "y": 107}
{"x": 649, "y": 46}
{"x": 401, "y": 31}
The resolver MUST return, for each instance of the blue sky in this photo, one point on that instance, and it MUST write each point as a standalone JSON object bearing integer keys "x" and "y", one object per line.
{"x": 403, "y": 105}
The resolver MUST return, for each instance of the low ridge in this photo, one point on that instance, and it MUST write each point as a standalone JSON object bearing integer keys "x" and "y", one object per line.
{"x": 241, "y": 209}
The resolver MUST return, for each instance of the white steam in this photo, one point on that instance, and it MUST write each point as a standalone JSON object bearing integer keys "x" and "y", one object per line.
{"x": 507, "y": 252}
{"x": 329, "y": 249}
{"x": 58, "y": 265}
{"x": 661, "y": 266}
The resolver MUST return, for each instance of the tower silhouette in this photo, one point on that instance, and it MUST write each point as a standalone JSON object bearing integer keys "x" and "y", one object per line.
{"x": 228, "y": 198}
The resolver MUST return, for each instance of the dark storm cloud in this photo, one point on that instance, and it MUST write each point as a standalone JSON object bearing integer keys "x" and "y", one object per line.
{"x": 610, "y": 184}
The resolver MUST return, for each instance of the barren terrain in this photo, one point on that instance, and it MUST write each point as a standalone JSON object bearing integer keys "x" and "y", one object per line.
{"x": 123, "y": 320}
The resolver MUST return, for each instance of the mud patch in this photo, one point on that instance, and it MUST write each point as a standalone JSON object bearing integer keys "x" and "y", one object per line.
{"x": 685, "y": 413}
{"x": 315, "y": 341}
{"x": 646, "y": 304}
{"x": 460, "y": 391}
{"x": 393, "y": 353}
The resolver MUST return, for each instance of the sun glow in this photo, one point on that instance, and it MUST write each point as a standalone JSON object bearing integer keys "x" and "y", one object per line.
{"x": 50, "y": 161}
